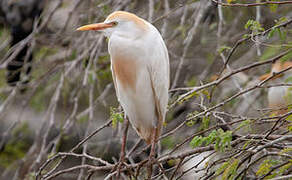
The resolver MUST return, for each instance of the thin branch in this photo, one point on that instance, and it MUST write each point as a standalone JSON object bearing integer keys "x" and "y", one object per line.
{"x": 252, "y": 4}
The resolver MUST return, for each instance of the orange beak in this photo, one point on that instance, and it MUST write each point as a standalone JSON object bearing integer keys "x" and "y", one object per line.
{"x": 95, "y": 27}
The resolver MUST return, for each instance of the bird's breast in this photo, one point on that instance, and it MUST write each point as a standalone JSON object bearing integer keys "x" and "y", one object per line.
{"x": 125, "y": 70}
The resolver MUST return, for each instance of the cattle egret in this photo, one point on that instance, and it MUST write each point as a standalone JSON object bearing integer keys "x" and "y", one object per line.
{"x": 140, "y": 70}
{"x": 278, "y": 96}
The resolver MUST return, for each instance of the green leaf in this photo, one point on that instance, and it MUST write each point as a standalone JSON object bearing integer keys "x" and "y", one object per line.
{"x": 230, "y": 1}
{"x": 190, "y": 123}
{"x": 281, "y": 34}
{"x": 248, "y": 24}
{"x": 192, "y": 82}
{"x": 116, "y": 117}
{"x": 286, "y": 150}
{"x": 188, "y": 97}
{"x": 265, "y": 167}
{"x": 206, "y": 93}
{"x": 221, "y": 168}
{"x": 272, "y": 32}
{"x": 289, "y": 127}
{"x": 196, "y": 141}
{"x": 168, "y": 142}
{"x": 223, "y": 48}
{"x": 246, "y": 144}
{"x": 285, "y": 168}
{"x": 269, "y": 52}
{"x": 254, "y": 26}
{"x": 211, "y": 138}
{"x": 245, "y": 123}
{"x": 281, "y": 20}
{"x": 246, "y": 35}
{"x": 219, "y": 137}
{"x": 205, "y": 122}
{"x": 230, "y": 172}
{"x": 273, "y": 7}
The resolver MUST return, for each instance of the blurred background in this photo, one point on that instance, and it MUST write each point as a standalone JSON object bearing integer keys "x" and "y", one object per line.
{"x": 56, "y": 86}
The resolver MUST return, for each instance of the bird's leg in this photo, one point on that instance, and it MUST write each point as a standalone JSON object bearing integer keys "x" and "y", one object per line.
{"x": 152, "y": 152}
{"x": 123, "y": 148}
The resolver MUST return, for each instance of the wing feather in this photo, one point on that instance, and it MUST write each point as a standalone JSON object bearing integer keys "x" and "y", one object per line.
{"x": 115, "y": 81}
{"x": 159, "y": 77}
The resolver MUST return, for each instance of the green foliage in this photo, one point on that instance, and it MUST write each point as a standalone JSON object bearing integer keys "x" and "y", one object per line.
{"x": 265, "y": 167}
{"x": 280, "y": 171}
{"x": 205, "y": 122}
{"x": 168, "y": 142}
{"x": 273, "y": 7}
{"x": 188, "y": 97}
{"x": 244, "y": 124}
{"x": 288, "y": 80}
{"x": 286, "y": 150}
{"x": 196, "y": 141}
{"x": 287, "y": 57}
{"x": 66, "y": 92}
{"x": 183, "y": 30}
{"x": 284, "y": 168}
{"x": 104, "y": 74}
{"x": 16, "y": 147}
{"x": 269, "y": 52}
{"x": 289, "y": 119}
{"x": 219, "y": 137}
{"x": 2, "y": 79}
{"x": 223, "y": 48}
{"x": 228, "y": 169}
{"x": 45, "y": 51}
{"x": 38, "y": 102}
{"x": 190, "y": 123}
{"x": 232, "y": 103}
{"x": 210, "y": 57}
{"x": 192, "y": 82}
{"x": 246, "y": 144}
{"x": 224, "y": 139}
{"x": 288, "y": 96}
{"x": 73, "y": 55}
{"x": 254, "y": 26}
{"x": 23, "y": 129}
{"x": 281, "y": 20}
{"x": 282, "y": 34}
{"x": 230, "y": 1}
{"x": 206, "y": 93}
{"x": 83, "y": 119}
{"x": 4, "y": 33}
{"x": 116, "y": 116}
{"x": 31, "y": 176}
{"x": 221, "y": 168}
{"x": 106, "y": 9}
{"x": 172, "y": 162}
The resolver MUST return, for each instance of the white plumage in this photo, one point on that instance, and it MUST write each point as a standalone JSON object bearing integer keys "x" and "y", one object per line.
{"x": 140, "y": 68}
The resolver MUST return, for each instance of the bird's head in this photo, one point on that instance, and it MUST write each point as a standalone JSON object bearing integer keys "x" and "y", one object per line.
{"x": 119, "y": 23}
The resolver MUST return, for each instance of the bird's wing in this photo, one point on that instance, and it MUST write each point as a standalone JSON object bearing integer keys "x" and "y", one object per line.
{"x": 159, "y": 77}
{"x": 115, "y": 81}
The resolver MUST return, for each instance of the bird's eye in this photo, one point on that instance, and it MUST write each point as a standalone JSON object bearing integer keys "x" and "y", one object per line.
{"x": 114, "y": 23}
